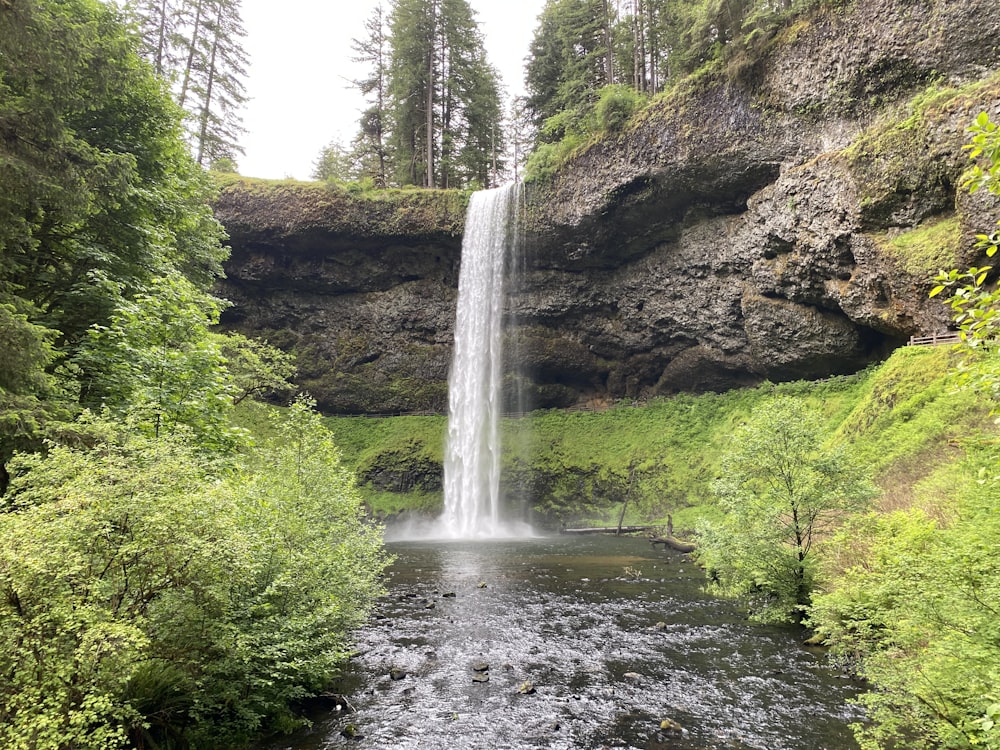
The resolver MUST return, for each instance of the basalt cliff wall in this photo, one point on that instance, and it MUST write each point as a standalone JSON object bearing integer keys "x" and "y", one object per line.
{"x": 770, "y": 221}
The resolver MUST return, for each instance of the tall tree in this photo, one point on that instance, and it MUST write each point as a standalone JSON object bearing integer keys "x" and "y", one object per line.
{"x": 444, "y": 96}
{"x": 197, "y": 45}
{"x": 100, "y": 195}
{"x": 373, "y": 50}
{"x": 570, "y": 57}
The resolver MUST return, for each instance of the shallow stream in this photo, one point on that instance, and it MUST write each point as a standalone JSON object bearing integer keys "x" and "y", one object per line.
{"x": 616, "y": 638}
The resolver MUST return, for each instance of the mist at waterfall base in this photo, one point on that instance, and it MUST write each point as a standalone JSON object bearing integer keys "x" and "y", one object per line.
{"x": 473, "y": 507}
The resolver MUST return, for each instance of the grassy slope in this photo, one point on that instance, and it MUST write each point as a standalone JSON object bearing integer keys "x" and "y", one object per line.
{"x": 903, "y": 419}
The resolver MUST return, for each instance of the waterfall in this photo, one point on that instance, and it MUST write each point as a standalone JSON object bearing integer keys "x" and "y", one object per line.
{"x": 472, "y": 455}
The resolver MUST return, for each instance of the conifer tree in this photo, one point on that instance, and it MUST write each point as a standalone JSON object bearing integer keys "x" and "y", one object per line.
{"x": 370, "y": 147}
{"x": 196, "y": 44}
{"x": 444, "y": 96}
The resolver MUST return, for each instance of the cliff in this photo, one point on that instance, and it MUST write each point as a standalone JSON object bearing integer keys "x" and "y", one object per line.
{"x": 769, "y": 221}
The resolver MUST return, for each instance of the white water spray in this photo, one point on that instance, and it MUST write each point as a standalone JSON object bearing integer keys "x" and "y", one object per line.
{"x": 472, "y": 455}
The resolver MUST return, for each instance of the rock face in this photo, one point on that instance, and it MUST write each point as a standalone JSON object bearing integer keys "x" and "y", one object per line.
{"x": 778, "y": 221}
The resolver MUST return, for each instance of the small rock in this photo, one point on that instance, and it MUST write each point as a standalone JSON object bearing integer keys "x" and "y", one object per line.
{"x": 660, "y": 626}
{"x": 671, "y": 726}
{"x": 429, "y": 605}
{"x": 449, "y": 595}
{"x": 396, "y": 674}
{"x": 526, "y": 688}
{"x": 632, "y": 676}
{"x": 481, "y": 677}
{"x": 482, "y": 585}
{"x": 351, "y": 732}
{"x": 480, "y": 666}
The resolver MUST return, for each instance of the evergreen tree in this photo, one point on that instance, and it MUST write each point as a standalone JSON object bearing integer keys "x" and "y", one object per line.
{"x": 444, "y": 96}
{"x": 370, "y": 145}
{"x": 196, "y": 44}
{"x": 570, "y": 58}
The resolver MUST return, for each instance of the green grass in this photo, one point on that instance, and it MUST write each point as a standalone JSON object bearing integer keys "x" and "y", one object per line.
{"x": 905, "y": 420}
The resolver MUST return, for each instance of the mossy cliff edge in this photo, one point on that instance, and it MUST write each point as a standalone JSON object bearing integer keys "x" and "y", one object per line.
{"x": 773, "y": 219}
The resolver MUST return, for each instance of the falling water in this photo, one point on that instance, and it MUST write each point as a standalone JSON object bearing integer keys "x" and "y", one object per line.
{"x": 472, "y": 456}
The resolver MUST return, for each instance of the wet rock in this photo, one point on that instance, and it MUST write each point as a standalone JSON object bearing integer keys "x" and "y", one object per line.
{"x": 481, "y": 585}
{"x": 481, "y": 666}
{"x": 671, "y": 727}
{"x": 481, "y": 677}
{"x": 351, "y": 732}
{"x": 449, "y": 595}
{"x": 396, "y": 674}
{"x": 660, "y": 626}
{"x": 429, "y": 605}
{"x": 526, "y": 688}
{"x": 634, "y": 676}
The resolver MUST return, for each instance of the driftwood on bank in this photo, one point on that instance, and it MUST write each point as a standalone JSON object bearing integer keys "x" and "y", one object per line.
{"x": 674, "y": 543}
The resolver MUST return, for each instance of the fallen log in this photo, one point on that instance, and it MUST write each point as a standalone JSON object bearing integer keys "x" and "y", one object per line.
{"x": 608, "y": 530}
{"x": 674, "y": 543}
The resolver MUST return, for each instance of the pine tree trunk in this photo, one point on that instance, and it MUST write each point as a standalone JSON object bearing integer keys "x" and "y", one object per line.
{"x": 195, "y": 32}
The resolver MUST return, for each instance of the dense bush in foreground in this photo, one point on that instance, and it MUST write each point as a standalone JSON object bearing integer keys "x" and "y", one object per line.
{"x": 154, "y": 597}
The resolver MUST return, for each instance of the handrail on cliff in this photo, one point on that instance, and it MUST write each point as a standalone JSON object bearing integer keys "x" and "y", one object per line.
{"x": 944, "y": 337}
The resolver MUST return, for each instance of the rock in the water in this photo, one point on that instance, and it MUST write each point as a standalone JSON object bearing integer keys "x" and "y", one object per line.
{"x": 396, "y": 674}
{"x": 481, "y": 666}
{"x": 634, "y": 676}
{"x": 526, "y": 688}
{"x": 449, "y": 595}
{"x": 351, "y": 732}
{"x": 480, "y": 676}
{"x": 671, "y": 726}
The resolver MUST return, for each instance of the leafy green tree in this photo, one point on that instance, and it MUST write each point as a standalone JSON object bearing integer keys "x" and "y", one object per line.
{"x": 257, "y": 369}
{"x": 780, "y": 491}
{"x": 100, "y": 195}
{"x": 156, "y": 363}
{"x": 154, "y": 598}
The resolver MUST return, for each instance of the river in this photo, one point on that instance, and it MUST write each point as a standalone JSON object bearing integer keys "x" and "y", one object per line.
{"x": 618, "y": 642}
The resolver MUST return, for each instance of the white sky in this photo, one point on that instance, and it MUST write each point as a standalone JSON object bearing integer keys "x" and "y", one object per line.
{"x": 300, "y": 62}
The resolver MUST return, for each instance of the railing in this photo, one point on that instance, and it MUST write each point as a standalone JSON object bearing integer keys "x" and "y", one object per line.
{"x": 945, "y": 337}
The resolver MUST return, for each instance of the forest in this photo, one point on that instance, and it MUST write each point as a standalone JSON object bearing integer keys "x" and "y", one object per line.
{"x": 182, "y": 562}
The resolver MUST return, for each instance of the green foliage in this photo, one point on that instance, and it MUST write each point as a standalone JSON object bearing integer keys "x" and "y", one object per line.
{"x": 152, "y": 597}
{"x": 156, "y": 363}
{"x": 919, "y": 615}
{"x": 917, "y": 608}
{"x": 781, "y": 490}
{"x": 100, "y": 195}
{"x": 974, "y": 297}
{"x": 256, "y": 369}
{"x": 615, "y": 105}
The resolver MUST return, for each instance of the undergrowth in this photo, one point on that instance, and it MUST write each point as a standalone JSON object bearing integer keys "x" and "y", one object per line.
{"x": 904, "y": 419}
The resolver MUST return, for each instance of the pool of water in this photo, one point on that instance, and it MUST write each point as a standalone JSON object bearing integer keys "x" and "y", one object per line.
{"x": 618, "y": 643}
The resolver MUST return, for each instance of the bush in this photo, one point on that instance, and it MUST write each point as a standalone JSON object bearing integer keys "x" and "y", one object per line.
{"x": 615, "y": 105}
{"x": 153, "y": 598}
